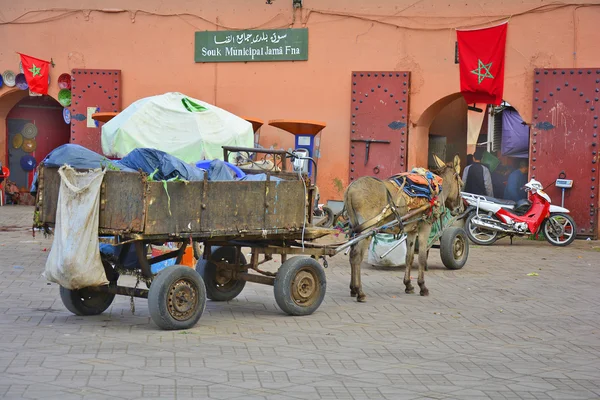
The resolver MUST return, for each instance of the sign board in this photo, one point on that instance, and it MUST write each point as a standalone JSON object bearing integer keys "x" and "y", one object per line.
{"x": 251, "y": 45}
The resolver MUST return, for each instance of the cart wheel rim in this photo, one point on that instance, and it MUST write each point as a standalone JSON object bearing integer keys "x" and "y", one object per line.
{"x": 458, "y": 247}
{"x": 222, "y": 278}
{"x": 182, "y": 299}
{"x": 305, "y": 289}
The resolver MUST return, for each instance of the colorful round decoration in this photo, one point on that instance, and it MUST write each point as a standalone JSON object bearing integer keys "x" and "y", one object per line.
{"x": 9, "y": 78}
{"x": 1, "y": 81}
{"x": 29, "y": 131}
{"x": 64, "y": 81}
{"x": 28, "y": 163}
{"x": 17, "y": 141}
{"x": 67, "y": 115}
{"x": 64, "y": 97}
{"x": 29, "y": 145}
{"x": 21, "y": 82}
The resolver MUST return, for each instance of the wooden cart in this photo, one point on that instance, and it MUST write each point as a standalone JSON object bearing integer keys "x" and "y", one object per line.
{"x": 271, "y": 217}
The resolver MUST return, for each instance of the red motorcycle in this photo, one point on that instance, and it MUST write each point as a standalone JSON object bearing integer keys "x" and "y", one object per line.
{"x": 491, "y": 219}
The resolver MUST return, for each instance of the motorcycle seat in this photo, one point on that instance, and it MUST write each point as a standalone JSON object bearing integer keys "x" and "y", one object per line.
{"x": 500, "y": 201}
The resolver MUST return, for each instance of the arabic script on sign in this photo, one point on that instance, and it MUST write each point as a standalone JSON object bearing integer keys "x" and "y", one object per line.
{"x": 250, "y": 38}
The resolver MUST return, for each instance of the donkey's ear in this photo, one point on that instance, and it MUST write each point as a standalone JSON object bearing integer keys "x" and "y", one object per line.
{"x": 439, "y": 162}
{"x": 456, "y": 163}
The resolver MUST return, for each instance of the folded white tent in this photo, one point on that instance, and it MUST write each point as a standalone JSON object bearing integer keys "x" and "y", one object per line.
{"x": 184, "y": 127}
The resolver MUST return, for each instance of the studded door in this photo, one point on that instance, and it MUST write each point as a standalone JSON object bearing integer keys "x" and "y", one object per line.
{"x": 92, "y": 90}
{"x": 379, "y": 118}
{"x": 564, "y": 139}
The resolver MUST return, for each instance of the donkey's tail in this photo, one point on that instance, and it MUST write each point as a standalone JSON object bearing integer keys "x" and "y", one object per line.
{"x": 352, "y": 218}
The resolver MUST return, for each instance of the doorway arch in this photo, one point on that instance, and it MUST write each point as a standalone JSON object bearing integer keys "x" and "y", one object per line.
{"x": 419, "y": 136}
{"x": 33, "y": 127}
{"x": 441, "y": 117}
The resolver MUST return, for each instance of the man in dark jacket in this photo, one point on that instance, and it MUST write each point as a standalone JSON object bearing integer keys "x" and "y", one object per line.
{"x": 477, "y": 177}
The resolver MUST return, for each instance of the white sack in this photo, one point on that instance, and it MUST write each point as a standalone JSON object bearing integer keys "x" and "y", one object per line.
{"x": 381, "y": 243}
{"x": 74, "y": 260}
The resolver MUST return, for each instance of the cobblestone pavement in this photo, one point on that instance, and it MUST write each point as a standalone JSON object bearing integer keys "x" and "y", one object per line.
{"x": 486, "y": 331}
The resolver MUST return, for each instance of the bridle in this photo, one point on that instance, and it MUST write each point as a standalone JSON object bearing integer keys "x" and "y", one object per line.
{"x": 459, "y": 182}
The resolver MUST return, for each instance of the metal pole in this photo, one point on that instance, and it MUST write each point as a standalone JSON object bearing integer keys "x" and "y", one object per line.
{"x": 562, "y": 203}
{"x": 400, "y": 241}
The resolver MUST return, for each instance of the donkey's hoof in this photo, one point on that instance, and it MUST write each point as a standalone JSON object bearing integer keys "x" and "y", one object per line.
{"x": 352, "y": 294}
{"x": 424, "y": 292}
{"x": 409, "y": 290}
{"x": 361, "y": 299}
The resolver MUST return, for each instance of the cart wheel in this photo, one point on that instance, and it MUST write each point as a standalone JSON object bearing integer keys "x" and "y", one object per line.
{"x": 86, "y": 302}
{"x": 220, "y": 287}
{"x": 300, "y": 286}
{"x": 177, "y": 298}
{"x": 454, "y": 248}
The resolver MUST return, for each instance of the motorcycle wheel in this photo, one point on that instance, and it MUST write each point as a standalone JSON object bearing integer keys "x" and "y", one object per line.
{"x": 559, "y": 229}
{"x": 480, "y": 236}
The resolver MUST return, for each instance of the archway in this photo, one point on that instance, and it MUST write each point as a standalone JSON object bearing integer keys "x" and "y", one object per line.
{"x": 34, "y": 126}
{"x": 443, "y": 128}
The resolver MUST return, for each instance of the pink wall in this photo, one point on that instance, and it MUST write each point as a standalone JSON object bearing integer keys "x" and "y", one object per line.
{"x": 156, "y": 54}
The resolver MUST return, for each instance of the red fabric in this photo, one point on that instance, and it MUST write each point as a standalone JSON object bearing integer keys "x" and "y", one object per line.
{"x": 36, "y": 73}
{"x": 481, "y": 61}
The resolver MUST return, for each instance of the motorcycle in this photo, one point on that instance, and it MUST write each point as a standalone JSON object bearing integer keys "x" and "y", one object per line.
{"x": 492, "y": 219}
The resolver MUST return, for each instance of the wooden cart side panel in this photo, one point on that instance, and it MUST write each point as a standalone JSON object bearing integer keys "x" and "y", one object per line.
{"x": 286, "y": 205}
{"x": 122, "y": 201}
{"x": 48, "y": 187}
{"x": 177, "y": 209}
{"x": 224, "y": 208}
{"x": 234, "y": 207}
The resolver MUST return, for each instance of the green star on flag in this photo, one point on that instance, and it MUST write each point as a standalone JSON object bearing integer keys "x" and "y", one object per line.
{"x": 482, "y": 71}
{"x": 35, "y": 70}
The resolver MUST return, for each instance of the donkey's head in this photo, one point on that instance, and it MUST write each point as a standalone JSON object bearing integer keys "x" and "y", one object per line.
{"x": 452, "y": 185}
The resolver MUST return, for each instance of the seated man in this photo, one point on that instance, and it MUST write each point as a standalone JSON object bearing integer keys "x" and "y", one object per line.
{"x": 516, "y": 180}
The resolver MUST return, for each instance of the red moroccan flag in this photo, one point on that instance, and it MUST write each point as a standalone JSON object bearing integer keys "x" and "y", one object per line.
{"x": 36, "y": 73}
{"x": 481, "y": 62}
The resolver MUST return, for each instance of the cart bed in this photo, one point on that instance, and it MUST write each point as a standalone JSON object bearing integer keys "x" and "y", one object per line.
{"x": 131, "y": 206}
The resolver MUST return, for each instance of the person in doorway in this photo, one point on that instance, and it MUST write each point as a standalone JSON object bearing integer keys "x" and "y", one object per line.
{"x": 477, "y": 177}
{"x": 499, "y": 177}
{"x": 516, "y": 180}
{"x": 469, "y": 159}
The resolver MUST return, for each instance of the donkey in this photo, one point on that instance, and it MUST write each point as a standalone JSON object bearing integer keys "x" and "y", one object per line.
{"x": 368, "y": 202}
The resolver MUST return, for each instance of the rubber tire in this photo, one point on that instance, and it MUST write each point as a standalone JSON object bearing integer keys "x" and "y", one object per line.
{"x": 447, "y": 248}
{"x": 74, "y": 303}
{"x": 327, "y": 222}
{"x": 283, "y": 285}
{"x": 571, "y": 239}
{"x": 157, "y": 297}
{"x": 208, "y": 271}
{"x": 473, "y": 239}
